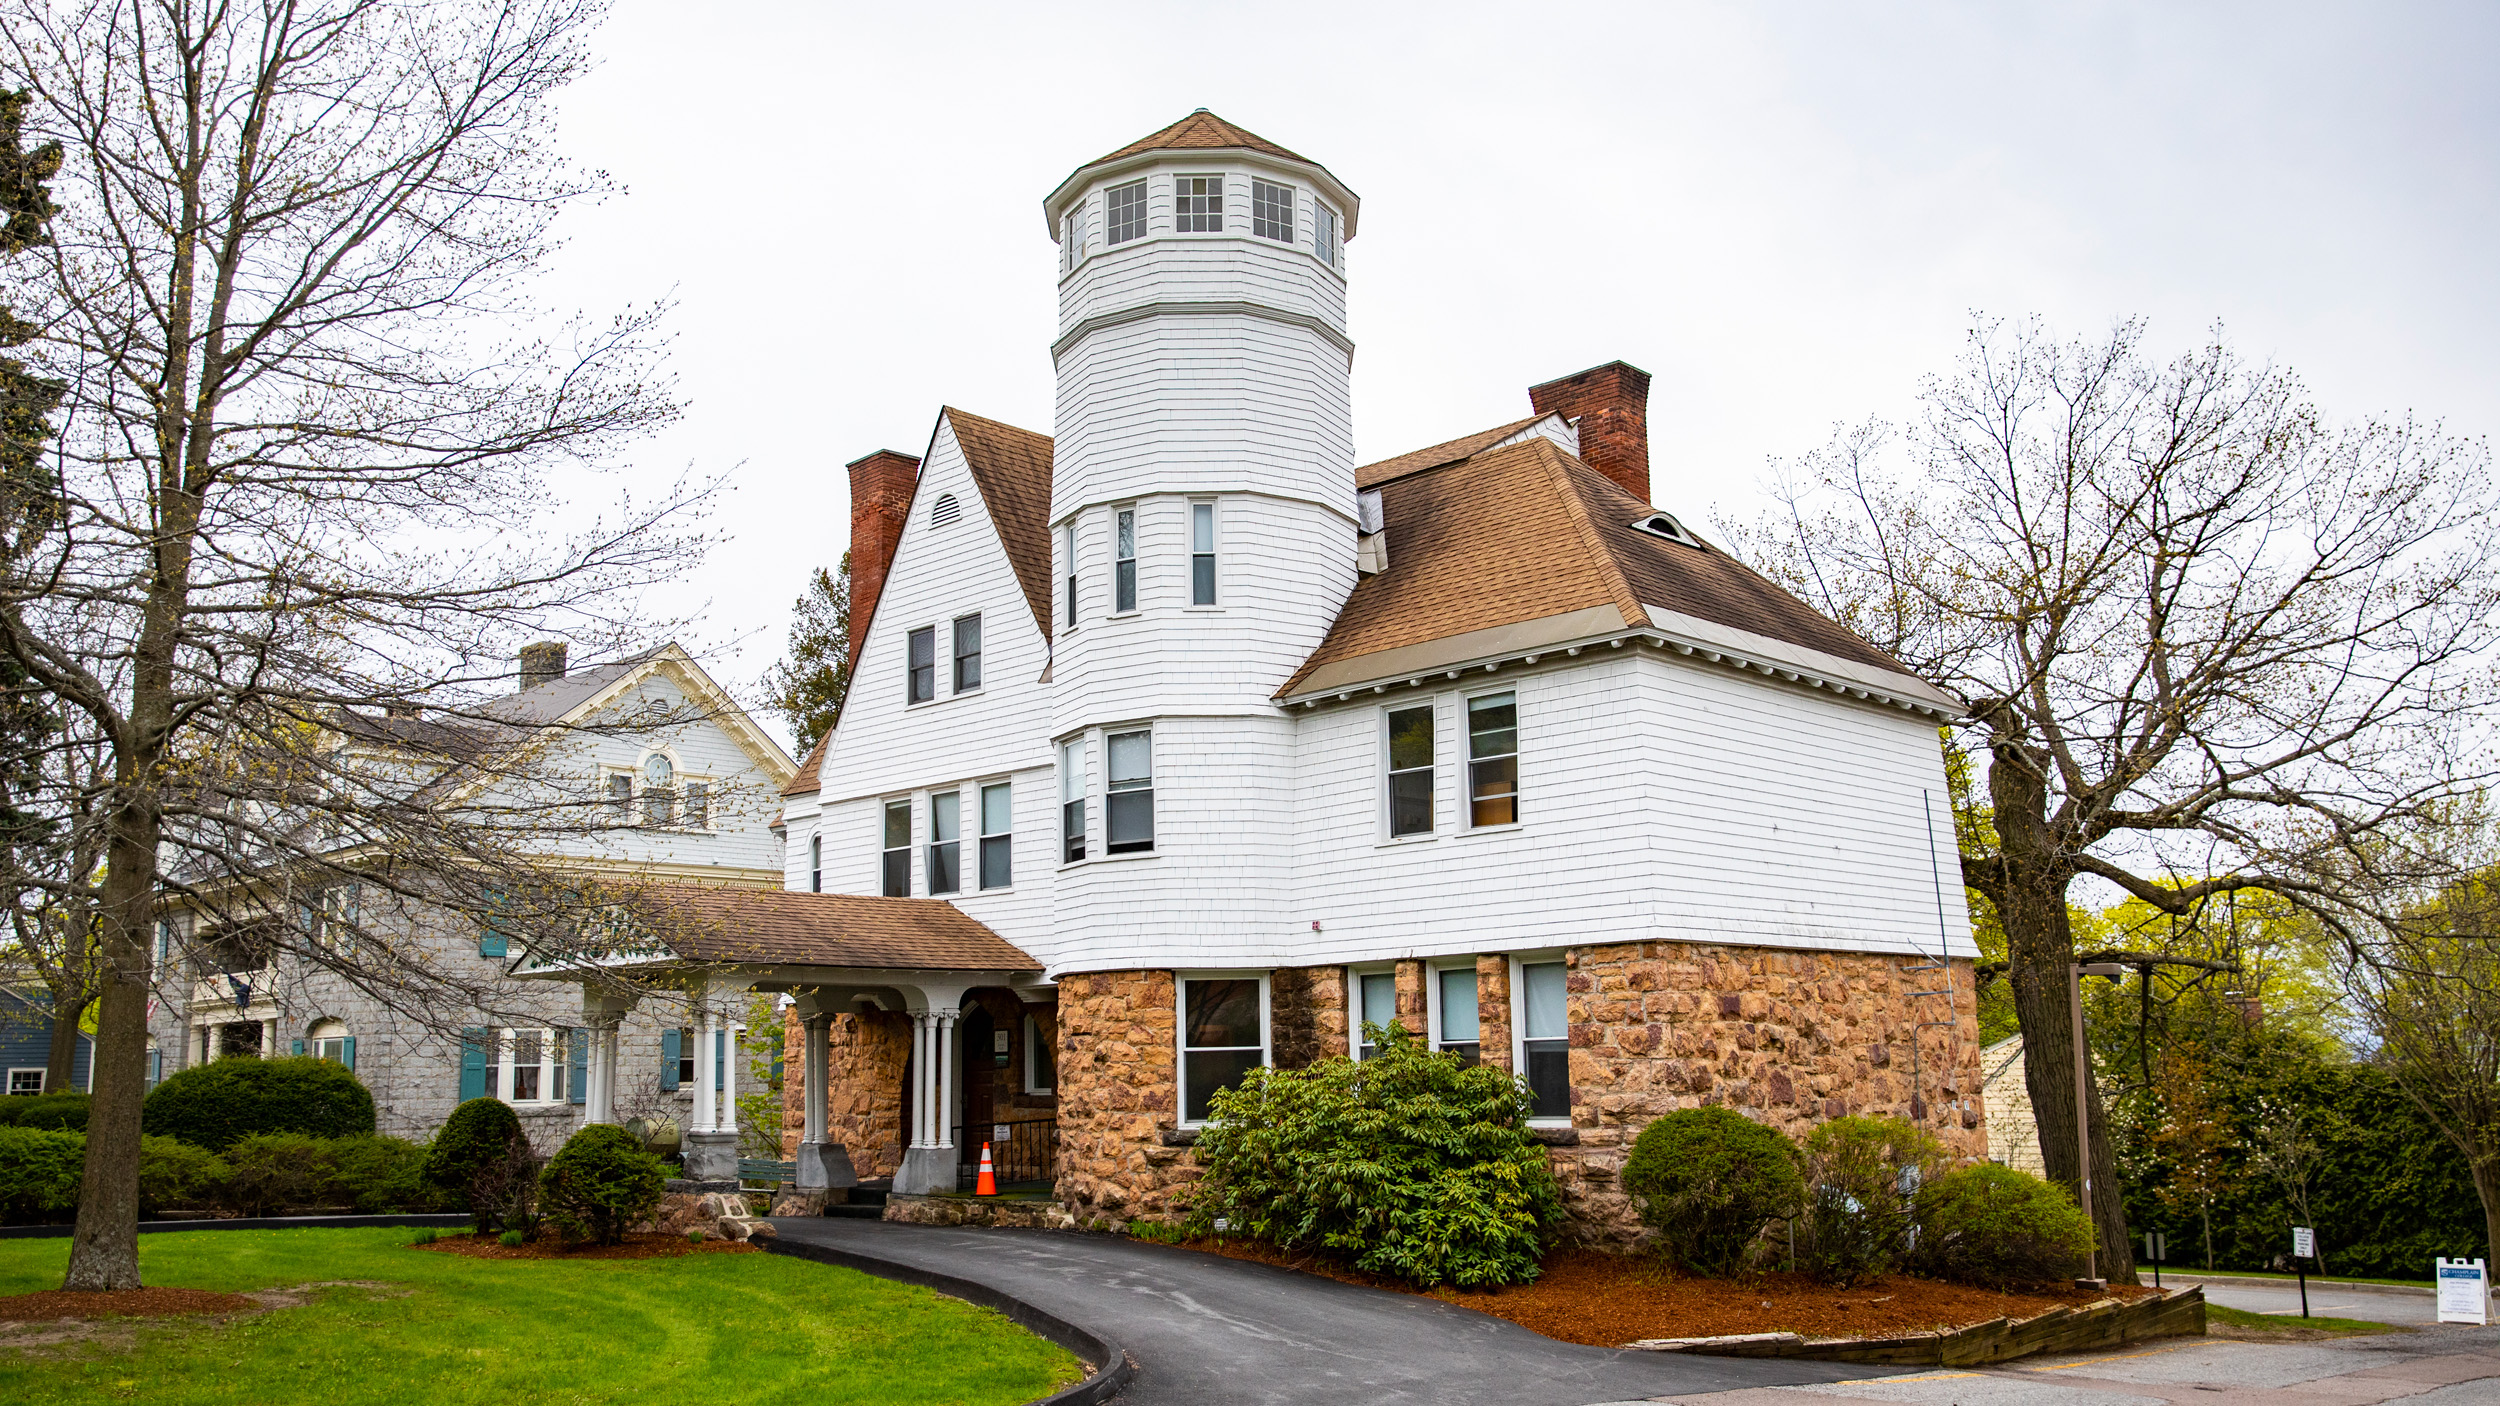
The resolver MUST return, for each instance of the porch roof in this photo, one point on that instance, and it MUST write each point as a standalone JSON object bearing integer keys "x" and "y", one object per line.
{"x": 773, "y": 927}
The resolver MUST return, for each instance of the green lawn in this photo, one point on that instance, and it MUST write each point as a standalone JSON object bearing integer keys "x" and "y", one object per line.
{"x": 698, "y": 1328}
{"x": 2293, "y": 1323}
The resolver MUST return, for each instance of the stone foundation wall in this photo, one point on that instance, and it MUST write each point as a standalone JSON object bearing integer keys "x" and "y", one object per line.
{"x": 1306, "y": 1007}
{"x": 865, "y": 1052}
{"x": 1119, "y": 1099}
{"x": 1786, "y": 1038}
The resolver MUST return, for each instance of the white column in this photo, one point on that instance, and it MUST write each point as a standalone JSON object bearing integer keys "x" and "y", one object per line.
{"x": 944, "y": 1131}
{"x": 729, "y": 1079}
{"x": 920, "y": 1078}
{"x": 703, "y": 1121}
{"x": 812, "y": 1075}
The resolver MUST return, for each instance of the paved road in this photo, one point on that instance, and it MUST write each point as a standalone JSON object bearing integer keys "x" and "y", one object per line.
{"x": 2435, "y": 1366}
{"x": 1208, "y": 1331}
{"x": 2324, "y": 1302}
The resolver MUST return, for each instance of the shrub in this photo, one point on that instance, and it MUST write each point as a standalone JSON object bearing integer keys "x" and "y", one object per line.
{"x": 474, "y": 1157}
{"x": 1707, "y": 1180}
{"x": 60, "y": 1113}
{"x": 217, "y": 1104}
{"x": 273, "y": 1171}
{"x": 39, "y": 1172}
{"x": 1995, "y": 1226}
{"x": 1861, "y": 1173}
{"x": 1410, "y": 1163}
{"x": 426, "y": 1236}
{"x": 601, "y": 1184}
{"x": 379, "y": 1174}
{"x": 174, "y": 1175}
{"x": 513, "y": 1239}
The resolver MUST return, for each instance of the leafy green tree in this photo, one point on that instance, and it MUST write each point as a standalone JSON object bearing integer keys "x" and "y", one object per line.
{"x": 807, "y": 687}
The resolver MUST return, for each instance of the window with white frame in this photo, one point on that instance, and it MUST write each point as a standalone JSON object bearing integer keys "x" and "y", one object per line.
{"x": 894, "y": 865}
{"x": 1071, "y": 237}
{"x": 328, "y": 1039}
{"x": 1375, "y": 1003}
{"x": 1129, "y": 802}
{"x": 530, "y": 1066}
{"x": 1125, "y": 209}
{"x": 944, "y": 862}
{"x": 1124, "y": 561}
{"x": 997, "y": 838}
{"x": 659, "y": 790}
{"x": 25, "y": 1082}
{"x": 1198, "y": 204}
{"x": 1202, "y": 554}
{"x": 655, "y": 794}
{"x": 967, "y": 653}
{"x": 815, "y": 864}
{"x": 1456, "y": 1027}
{"x": 329, "y": 915}
{"x": 1067, "y": 557}
{"x": 1545, "y": 1037}
{"x": 1271, "y": 211}
{"x": 1072, "y": 800}
{"x": 1324, "y": 233}
{"x": 1041, "y": 1072}
{"x": 921, "y": 678}
{"x": 1223, "y": 1037}
{"x": 621, "y": 794}
{"x": 1410, "y": 770}
{"x": 1493, "y": 759}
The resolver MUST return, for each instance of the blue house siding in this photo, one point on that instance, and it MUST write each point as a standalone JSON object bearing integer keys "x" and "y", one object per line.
{"x": 26, "y": 1039}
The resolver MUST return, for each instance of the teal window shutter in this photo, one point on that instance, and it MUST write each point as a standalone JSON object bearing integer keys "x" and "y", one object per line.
{"x": 156, "y": 1068}
{"x": 472, "y": 1064}
{"x": 577, "y": 1043}
{"x": 672, "y": 1049}
{"x": 720, "y": 1058}
{"x": 299, "y": 1047}
{"x": 491, "y": 941}
{"x": 351, "y": 1054}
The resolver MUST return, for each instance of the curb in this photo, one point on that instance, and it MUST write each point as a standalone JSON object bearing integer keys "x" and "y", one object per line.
{"x": 1114, "y": 1365}
{"x": 147, "y": 1227}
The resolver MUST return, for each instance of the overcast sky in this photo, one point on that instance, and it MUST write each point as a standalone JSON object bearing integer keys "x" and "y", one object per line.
{"x": 1786, "y": 213}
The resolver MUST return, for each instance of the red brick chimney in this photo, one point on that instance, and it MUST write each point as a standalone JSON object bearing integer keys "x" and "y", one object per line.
{"x": 1611, "y": 404}
{"x": 881, "y": 486}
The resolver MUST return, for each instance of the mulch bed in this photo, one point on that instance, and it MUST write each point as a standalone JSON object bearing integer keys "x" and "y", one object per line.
{"x": 548, "y": 1247}
{"x": 1606, "y": 1300}
{"x": 119, "y": 1303}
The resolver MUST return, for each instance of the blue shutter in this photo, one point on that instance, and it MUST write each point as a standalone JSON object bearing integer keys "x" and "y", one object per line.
{"x": 490, "y": 939}
{"x": 472, "y": 1064}
{"x": 672, "y": 1049}
{"x": 351, "y": 1054}
{"x": 720, "y": 1059}
{"x": 164, "y": 941}
{"x": 577, "y": 1042}
{"x": 299, "y": 1047}
{"x": 156, "y": 1068}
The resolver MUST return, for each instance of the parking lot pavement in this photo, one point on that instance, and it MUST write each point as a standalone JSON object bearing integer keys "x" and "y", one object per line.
{"x": 2435, "y": 1366}
{"x": 2324, "y": 1302}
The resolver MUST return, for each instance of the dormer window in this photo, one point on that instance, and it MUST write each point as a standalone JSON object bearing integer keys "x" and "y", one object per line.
{"x": 1271, "y": 211}
{"x": 1662, "y": 525}
{"x": 1198, "y": 204}
{"x": 1125, "y": 211}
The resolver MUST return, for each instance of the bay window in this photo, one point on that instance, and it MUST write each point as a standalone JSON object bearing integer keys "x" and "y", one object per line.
{"x": 1124, "y": 561}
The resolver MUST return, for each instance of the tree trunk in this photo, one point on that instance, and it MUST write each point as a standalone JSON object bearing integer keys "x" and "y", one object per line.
{"x": 2040, "y": 947}
{"x": 61, "y": 1061}
{"x": 2487, "y": 1186}
{"x": 104, "y": 1249}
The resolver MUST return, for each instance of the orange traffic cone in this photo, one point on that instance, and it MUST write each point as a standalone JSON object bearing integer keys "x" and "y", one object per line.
{"x": 988, "y": 1184}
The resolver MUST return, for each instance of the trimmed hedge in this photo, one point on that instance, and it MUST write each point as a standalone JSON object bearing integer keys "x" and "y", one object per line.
{"x": 481, "y": 1157}
{"x": 174, "y": 1175}
{"x": 218, "y": 1104}
{"x": 1708, "y": 1180}
{"x": 1995, "y": 1226}
{"x": 39, "y": 1172}
{"x": 61, "y": 1112}
{"x": 601, "y": 1184}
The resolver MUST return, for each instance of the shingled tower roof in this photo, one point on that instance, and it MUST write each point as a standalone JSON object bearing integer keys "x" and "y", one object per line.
{"x": 1203, "y": 131}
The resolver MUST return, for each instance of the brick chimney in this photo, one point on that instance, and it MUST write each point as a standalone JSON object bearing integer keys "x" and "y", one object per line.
{"x": 1611, "y": 404}
{"x": 542, "y": 662}
{"x": 881, "y": 486}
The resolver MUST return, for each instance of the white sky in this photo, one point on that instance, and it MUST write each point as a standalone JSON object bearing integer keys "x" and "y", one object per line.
{"x": 1785, "y": 213}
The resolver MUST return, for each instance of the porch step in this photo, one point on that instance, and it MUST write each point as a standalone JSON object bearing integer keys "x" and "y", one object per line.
{"x": 866, "y": 1202}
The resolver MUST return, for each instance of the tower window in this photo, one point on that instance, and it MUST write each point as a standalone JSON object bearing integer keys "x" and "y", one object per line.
{"x": 1126, "y": 207}
{"x": 1130, "y": 815}
{"x": 1202, "y": 554}
{"x": 1072, "y": 237}
{"x": 1271, "y": 211}
{"x": 1067, "y": 558}
{"x": 967, "y": 653}
{"x": 1198, "y": 204}
{"x": 895, "y": 874}
{"x": 1072, "y": 800}
{"x": 1124, "y": 562}
{"x": 1324, "y": 233}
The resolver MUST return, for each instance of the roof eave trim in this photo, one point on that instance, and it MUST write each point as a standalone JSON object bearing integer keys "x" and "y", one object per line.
{"x": 1801, "y": 664}
{"x": 1349, "y": 205}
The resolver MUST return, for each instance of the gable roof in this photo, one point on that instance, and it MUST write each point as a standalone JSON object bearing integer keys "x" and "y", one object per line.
{"x": 1524, "y": 546}
{"x": 1202, "y": 131}
{"x": 1436, "y": 455}
{"x": 707, "y": 924}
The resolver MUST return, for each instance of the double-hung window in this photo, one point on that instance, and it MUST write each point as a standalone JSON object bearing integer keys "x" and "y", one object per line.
{"x": 1324, "y": 233}
{"x": 815, "y": 864}
{"x": 1271, "y": 211}
{"x": 1458, "y": 1031}
{"x": 1125, "y": 207}
{"x": 1124, "y": 561}
{"x": 1493, "y": 759}
{"x": 1223, "y": 1036}
{"x": 1072, "y": 800}
{"x": 944, "y": 874}
{"x": 896, "y": 860}
{"x": 1067, "y": 558}
{"x": 1202, "y": 554}
{"x": 621, "y": 795}
{"x": 532, "y": 1067}
{"x": 1071, "y": 238}
{"x": 1376, "y": 1004}
{"x": 1410, "y": 771}
{"x": 659, "y": 791}
{"x": 1198, "y": 204}
{"x": 922, "y": 685}
{"x": 967, "y": 653}
{"x": 997, "y": 841}
{"x": 1545, "y": 1038}
{"x": 1129, "y": 810}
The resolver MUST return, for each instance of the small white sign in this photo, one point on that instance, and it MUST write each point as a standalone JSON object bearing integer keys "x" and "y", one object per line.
{"x": 2464, "y": 1291}
{"x": 2304, "y": 1242}
{"x": 999, "y": 1132}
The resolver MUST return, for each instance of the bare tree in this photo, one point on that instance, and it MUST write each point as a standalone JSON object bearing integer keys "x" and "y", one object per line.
{"x": 310, "y": 436}
{"x": 2211, "y": 642}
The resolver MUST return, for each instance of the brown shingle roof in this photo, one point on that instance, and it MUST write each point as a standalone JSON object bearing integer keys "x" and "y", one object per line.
{"x": 1527, "y": 533}
{"x": 829, "y": 930}
{"x": 1201, "y": 130}
{"x": 1434, "y": 456}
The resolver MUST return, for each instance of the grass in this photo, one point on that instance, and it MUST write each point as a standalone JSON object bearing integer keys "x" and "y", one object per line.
{"x": 447, "y": 1328}
{"x": 2292, "y": 1323}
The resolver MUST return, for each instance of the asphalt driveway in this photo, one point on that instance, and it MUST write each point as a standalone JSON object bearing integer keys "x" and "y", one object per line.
{"x": 1208, "y": 1331}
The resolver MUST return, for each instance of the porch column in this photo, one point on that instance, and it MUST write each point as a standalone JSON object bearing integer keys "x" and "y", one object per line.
{"x": 929, "y": 1163}
{"x": 601, "y": 1015}
{"x": 729, "y": 1076}
{"x": 711, "y": 1152}
{"x": 814, "y": 1039}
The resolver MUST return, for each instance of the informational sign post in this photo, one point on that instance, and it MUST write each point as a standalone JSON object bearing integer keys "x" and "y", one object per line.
{"x": 2155, "y": 1248}
{"x": 2304, "y": 1249}
{"x": 2464, "y": 1291}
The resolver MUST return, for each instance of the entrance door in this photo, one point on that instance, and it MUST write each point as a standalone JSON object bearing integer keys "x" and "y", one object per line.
{"x": 980, "y": 1080}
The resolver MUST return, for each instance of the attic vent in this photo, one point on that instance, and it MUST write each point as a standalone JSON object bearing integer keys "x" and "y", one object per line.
{"x": 1661, "y": 525}
{"x": 945, "y": 512}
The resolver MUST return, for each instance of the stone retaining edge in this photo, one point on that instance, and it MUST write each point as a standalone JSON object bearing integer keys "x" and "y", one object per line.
{"x": 1113, "y": 1365}
{"x": 48, "y": 1232}
{"x": 2177, "y": 1313}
